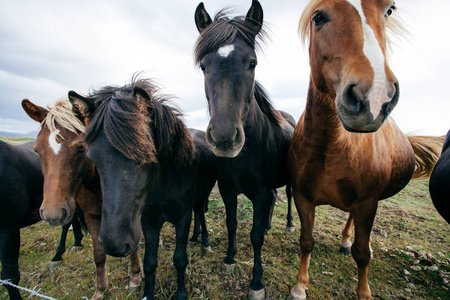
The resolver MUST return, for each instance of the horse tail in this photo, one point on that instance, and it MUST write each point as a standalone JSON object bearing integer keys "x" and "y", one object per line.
{"x": 427, "y": 150}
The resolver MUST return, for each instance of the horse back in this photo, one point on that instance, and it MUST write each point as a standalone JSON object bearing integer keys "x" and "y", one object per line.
{"x": 21, "y": 184}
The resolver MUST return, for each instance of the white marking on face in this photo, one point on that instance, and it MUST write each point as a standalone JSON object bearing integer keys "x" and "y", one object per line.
{"x": 378, "y": 94}
{"x": 53, "y": 142}
{"x": 224, "y": 51}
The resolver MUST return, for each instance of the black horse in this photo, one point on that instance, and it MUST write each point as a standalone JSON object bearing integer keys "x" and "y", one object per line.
{"x": 150, "y": 171}
{"x": 440, "y": 181}
{"x": 249, "y": 136}
{"x": 21, "y": 184}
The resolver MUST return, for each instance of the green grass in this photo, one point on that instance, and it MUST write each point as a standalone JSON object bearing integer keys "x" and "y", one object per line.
{"x": 407, "y": 232}
{"x": 15, "y": 140}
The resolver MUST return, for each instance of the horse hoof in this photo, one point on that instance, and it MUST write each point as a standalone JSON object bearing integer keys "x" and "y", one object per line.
{"x": 192, "y": 244}
{"x": 256, "y": 295}
{"x": 345, "y": 251}
{"x": 76, "y": 248}
{"x": 54, "y": 264}
{"x": 290, "y": 229}
{"x": 228, "y": 268}
{"x": 206, "y": 249}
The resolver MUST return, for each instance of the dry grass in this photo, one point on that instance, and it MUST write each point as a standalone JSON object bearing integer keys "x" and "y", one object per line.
{"x": 407, "y": 233}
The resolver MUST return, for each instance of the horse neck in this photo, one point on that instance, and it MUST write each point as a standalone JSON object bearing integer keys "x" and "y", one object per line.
{"x": 320, "y": 120}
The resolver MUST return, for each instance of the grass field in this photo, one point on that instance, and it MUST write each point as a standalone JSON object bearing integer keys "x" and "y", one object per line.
{"x": 411, "y": 245}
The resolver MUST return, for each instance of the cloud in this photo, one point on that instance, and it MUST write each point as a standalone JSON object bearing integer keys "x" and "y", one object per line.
{"x": 50, "y": 47}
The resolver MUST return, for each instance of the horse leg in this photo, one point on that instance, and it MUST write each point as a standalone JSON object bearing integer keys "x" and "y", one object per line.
{"x": 77, "y": 234}
{"x": 289, "y": 217}
{"x": 196, "y": 233}
{"x": 93, "y": 223}
{"x": 230, "y": 201}
{"x": 136, "y": 271}
{"x": 269, "y": 221}
{"x": 361, "y": 249}
{"x": 180, "y": 259}
{"x": 346, "y": 243}
{"x": 57, "y": 259}
{"x": 150, "y": 257}
{"x": 9, "y": 257}
{"x": 206, "y": 247}
{"x": 262, "y": 205}
{"x": 306, "y": 212}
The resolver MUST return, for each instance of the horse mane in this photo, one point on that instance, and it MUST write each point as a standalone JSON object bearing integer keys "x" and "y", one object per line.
{"x": 62, "y": 114}
{"x": 395, "y": 26}
{"x": 223, "y": 31}
{"x": 265, "y": 105}
{"x": 144, "y": 131}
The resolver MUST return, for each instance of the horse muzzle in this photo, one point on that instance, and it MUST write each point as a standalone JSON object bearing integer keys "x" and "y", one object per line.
{"x": 225, "y": 143}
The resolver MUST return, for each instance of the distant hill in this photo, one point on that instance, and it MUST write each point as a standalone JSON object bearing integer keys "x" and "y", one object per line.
{"x": 32, "y": 134}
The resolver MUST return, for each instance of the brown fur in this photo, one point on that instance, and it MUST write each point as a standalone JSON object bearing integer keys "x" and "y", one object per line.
{"x": 330, "y": 165}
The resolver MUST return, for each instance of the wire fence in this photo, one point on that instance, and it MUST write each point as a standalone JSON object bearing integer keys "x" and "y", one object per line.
{"x": 32, "y": 292}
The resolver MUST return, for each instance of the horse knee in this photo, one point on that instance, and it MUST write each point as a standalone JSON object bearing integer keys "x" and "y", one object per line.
{"x": 361, "y": 255}
{"x": 306, "y": 244}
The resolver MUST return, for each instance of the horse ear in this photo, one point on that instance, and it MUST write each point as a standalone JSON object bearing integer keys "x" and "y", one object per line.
{"x": 142, "y": 98}
{"x": 81, "y": 106}
{"x": 255, "y": 15}
{"x": 35, "y": 112}
{"x": 202, "y": 18}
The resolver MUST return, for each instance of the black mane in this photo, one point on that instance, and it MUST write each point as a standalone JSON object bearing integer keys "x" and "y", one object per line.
{"x": 262, "y": 98}
{"x": 223, "y": 31}
{"x": 145, "y": 131}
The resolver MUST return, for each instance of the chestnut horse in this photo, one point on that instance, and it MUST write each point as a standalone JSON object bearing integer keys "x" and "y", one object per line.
{"x": 71, "y": 178}
{"x": 346, "y": 151}
{"x": 249, "y": 137}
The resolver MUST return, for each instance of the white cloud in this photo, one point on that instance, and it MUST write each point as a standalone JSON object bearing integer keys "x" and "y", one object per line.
{"x": 50, "y": 47}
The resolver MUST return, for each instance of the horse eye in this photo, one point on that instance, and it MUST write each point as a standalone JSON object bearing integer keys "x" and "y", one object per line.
{"x": 81, "y": 149}
{"x": 319, "y": 19}
{"x": 390, "y": 11}
{"x": 253, "y": 64}
{"x": 202, "y": 67}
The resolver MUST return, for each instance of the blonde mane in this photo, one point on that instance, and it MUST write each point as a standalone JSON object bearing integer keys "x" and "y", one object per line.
{"x": 395, "y": 26}
{"x": 62, "y": 114}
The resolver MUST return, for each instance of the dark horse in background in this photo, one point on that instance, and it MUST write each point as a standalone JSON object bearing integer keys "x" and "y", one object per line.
{"x": 440, "y": 182}
{"x": 249, "y": 137}
{"x": 21, "y": 184}
{"x": 71, "y": 180}
{"x": 150, "y": 172}
{"x": 346, "y": 151}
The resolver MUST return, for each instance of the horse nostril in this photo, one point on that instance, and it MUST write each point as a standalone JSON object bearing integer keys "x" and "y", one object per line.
{"x": 41, "y": 213}
{"x": 353, "y": 98}
{"x": 209, "y": 138}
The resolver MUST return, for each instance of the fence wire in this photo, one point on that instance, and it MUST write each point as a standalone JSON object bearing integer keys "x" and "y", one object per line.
{"x": 32, "y": 292}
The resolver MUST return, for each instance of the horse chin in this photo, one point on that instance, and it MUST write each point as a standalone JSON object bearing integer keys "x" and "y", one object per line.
{"x": 228, "y": 153}
{"x": 363, "y": 123}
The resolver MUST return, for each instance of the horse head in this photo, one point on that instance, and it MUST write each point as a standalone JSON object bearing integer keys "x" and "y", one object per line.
{"x": 63, "y": 160}
{"x": 347, "y": 48}
{"x": 125, "y": 159}
{"x": 225, "y": 52}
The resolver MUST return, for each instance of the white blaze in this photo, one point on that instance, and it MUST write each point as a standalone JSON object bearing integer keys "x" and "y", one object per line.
{"x": 378, "y": 94}
{"x": 224, "y": 51}
{"x": 53, "y": 142}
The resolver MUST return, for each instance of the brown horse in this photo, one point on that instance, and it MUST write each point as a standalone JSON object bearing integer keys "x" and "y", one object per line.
{"x": 346, "y": 151}
{"x": 69, "y": 177}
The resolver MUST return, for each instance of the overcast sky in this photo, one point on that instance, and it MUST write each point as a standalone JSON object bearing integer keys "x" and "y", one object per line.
{"x": 50, "y": 47}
